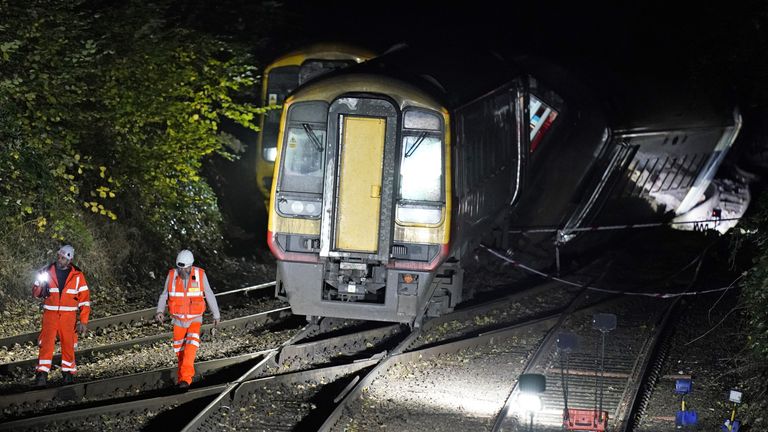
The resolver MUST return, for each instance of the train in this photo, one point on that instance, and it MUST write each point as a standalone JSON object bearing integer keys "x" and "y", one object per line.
{"x": 390, "y": 174}
{"x": 283, "y": 75}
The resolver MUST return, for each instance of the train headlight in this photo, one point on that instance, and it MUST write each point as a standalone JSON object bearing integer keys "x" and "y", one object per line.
{"x": 298, "y": 207}
{"x": 419, "y": 214}
{"x": 270, "y": 153}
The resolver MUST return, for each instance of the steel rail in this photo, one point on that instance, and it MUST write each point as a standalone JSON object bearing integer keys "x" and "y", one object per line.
{"x": 633, "y": 404}
{"x": 154, "y": 379}
{"x": 547, "y": 346}
{"x": 541, "y": 351}
{"x": 400, "y": 357}
{"x": 125, "y": 318}
{"x": 226, "y": 393}
{"x": 68, "y": 418}
{"x": 243, "y": 322}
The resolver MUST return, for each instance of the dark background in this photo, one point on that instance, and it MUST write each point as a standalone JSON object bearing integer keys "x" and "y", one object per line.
{"x": 719, "y": 48}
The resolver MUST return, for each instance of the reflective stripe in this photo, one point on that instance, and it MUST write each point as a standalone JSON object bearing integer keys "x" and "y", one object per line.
{"x": 53, "y": 290}
{"x": 182, "y": 316}
{"x": 43, "y": 369}
{"x": 70, "y": 291}
{"x": 67, "y": 369}
{"x": 81, "y": 304}
{"x": 61, "y": 308}
{"x": 178, "y": 349}
{"x": 195, "y": 335}
{"x": 176, "y": 294}
{"x": 194, "y": 342}
{"x": 195, "y": 294}
{"x": 178, "y": 342}
{"x": 83, "y": 288}
{"x": 66, "y": 363}
{"x": 45, "y": 361}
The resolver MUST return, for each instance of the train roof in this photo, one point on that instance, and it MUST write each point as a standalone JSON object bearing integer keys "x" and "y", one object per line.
{"x": 322, "y": 51}
{"x": 452, "y": 75}
{"x": 403, "y": 93}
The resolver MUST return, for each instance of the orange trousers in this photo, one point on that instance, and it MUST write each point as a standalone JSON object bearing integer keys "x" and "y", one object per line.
{"x": 61, "y": 324}
{"x": 185, "y": 344}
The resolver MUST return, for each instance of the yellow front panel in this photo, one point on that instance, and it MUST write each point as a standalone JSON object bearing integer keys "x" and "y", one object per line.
{"x": 359, "y": 200}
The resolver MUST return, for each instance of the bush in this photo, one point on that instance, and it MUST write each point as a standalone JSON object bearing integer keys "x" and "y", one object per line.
{"x": 106, "y": 118}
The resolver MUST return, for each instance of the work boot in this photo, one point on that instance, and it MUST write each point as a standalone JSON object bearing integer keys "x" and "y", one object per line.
{"x": 183, "y": 385}
{"x": 68, "y": 378}
{"x": 41, "y": 379}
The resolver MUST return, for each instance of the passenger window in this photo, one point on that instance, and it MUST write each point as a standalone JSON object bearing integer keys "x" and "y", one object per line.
{"x": 421, "y": 163}
{"x": 303, "y": 159}
{"x": 542, "y": 117}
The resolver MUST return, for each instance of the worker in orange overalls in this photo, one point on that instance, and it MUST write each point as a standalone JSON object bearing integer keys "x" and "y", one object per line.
{"x": 186, "y": 290}
{"x": 63, "y": 288}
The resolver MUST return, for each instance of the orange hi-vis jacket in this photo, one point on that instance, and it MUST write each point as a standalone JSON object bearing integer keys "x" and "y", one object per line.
{"x": 190, "y": 303}
{"x": 69, "y": 295}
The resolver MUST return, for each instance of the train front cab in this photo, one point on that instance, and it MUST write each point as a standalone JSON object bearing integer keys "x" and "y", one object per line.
{"x": 281, "y": 77}
{"x": 348, "y": 166}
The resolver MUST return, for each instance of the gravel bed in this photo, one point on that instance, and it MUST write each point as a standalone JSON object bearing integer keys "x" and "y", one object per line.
{"x": 124, "y": 422}
{"x": 273, "y": 408}
{"x": 457, "y": 391}
{"x": 228, "y": 343}
{"x": 713, "y": 364}
{"x": 110, "y": 335}
{"x": 507, "y": 313}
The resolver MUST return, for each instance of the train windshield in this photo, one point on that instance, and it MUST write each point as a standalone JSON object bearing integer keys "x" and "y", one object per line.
{"x": 421, "y": 164}
{"x": 303, "y": 159}
{"x": 280, "y": 82}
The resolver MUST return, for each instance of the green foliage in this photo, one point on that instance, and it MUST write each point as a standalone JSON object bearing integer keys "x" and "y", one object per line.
{"x": 754, "y": 288}
{"x": 111, "y": 112}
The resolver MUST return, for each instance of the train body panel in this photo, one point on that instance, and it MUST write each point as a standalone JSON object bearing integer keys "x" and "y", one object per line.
{"x": 390, "y": 173}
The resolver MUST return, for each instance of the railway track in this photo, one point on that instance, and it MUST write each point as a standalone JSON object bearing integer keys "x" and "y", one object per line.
{"x": 628, "y": 351}
{"x": 115, "y": 322}
{"x": 307, "y": 403}
{"x": 117, "y": 397}
{"x": 22, "y": 400}
{"x": 332, "y": 374}
{"x": 118, "y": 324}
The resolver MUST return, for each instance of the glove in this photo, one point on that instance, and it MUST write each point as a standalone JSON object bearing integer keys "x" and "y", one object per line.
{"x": 160, "y": 317}
{"x": 82, "y": 328}
{"x": 216, "y": 321}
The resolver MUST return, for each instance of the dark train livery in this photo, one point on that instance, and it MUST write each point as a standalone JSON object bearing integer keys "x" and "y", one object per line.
{"x": 280, "y": 78}
{"x": 391, "y": 172}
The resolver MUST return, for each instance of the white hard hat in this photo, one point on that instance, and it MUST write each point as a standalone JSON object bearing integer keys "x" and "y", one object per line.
{"x": 184, "y": 259}
{"x": 67, "y": 252}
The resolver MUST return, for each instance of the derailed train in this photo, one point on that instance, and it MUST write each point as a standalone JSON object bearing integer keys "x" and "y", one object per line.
{"x": 390, "y": 173}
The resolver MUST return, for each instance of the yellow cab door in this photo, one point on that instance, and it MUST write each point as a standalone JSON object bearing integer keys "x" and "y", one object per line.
{"x": 361, "y": 196}
{"x": 360, "y": 175}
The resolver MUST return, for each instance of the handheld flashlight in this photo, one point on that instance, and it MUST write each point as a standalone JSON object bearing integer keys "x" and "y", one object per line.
{"x": 42, "y": 278}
